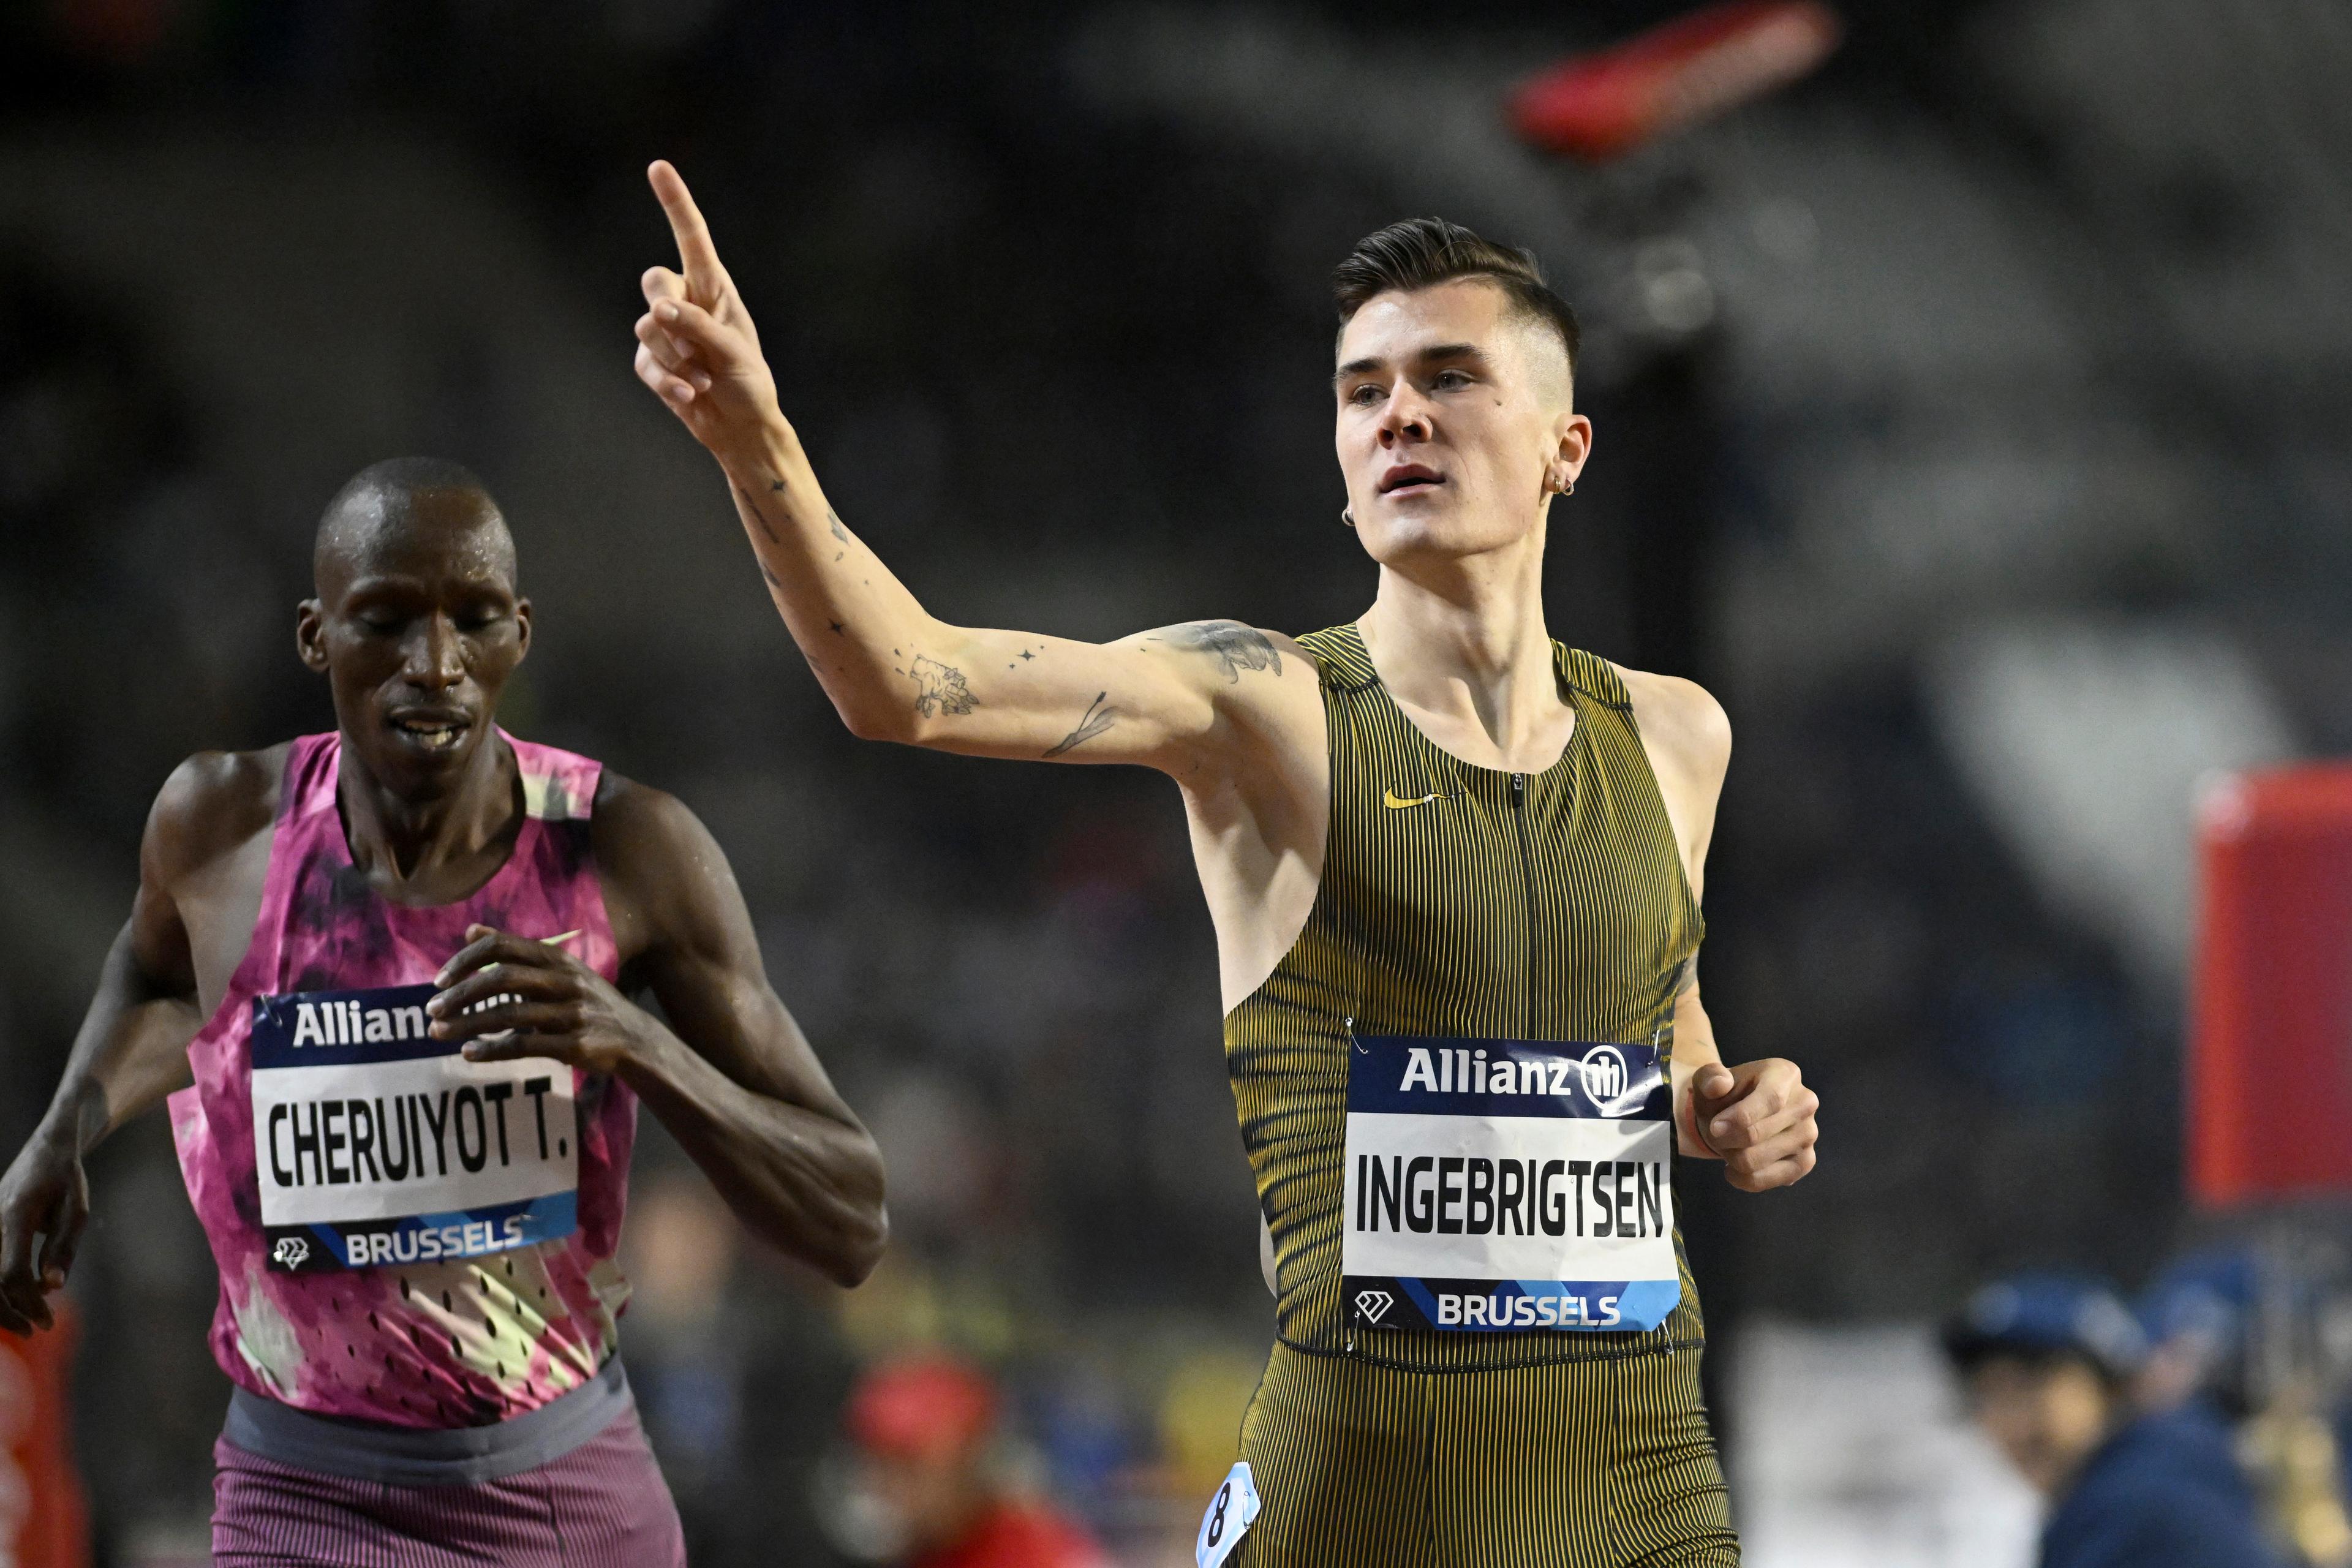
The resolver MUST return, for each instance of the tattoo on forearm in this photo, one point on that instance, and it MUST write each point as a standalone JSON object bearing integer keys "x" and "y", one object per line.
{"x": 756, "y": 515}
{"x": 838, "y": 532}
{"x": 1232, "y": 645}
{"x": 774, "y": 581}
{"x": 939, "y": 688}
{"x": 1097, "y": 717}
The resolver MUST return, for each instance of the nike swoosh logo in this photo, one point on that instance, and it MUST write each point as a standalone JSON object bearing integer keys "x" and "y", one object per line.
{"x": 1396, "y": 802}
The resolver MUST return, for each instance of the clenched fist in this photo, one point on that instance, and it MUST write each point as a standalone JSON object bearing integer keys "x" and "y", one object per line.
{"x": 1758, "y": 1119}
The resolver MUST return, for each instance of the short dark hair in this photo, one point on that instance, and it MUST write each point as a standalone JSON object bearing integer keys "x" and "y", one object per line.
{"x": 1421, "y": 252}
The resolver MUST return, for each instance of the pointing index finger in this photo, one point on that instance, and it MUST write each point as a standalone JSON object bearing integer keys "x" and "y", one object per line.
{"x": 704, "y": 277}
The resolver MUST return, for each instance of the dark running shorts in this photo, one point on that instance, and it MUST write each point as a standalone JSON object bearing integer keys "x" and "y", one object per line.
{"x": 570, "y": 1486}
{"x": 1601, "y": 1463}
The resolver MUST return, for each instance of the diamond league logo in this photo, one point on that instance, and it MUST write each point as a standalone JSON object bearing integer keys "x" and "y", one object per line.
{"x": 291, "y": 1252}
{"x": 1374, "y": 1304}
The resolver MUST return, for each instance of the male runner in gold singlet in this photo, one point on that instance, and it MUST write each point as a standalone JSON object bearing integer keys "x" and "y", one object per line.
{"x": 1453, "y": 870}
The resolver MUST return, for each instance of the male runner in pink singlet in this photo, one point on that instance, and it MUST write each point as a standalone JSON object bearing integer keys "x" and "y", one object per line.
{"x": 399, "y": 956}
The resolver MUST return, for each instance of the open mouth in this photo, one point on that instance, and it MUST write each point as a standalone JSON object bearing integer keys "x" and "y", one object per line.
{"x": 431, "y": 731}
{"x": 1411, "y": 479}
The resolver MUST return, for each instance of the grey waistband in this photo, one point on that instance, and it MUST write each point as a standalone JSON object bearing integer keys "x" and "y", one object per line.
{"x": 422, "y": 1456}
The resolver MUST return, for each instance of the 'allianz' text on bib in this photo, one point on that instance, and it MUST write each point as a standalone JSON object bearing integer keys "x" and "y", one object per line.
{"x": 1508, "y": 1184}
{"x": 375, "y": 1143}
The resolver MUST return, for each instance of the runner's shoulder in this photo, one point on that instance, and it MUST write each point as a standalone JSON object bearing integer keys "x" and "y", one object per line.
{"x": 666, "y": 882}
{"x": 1680, "y": 718}
{"x": 649, "y": 844}
{"x": 1224, "y": 651}
{"x": 1293, "y": 650}
{"x": 637, "y": 827}
{"x": 1263, "y": 679}
{"x": 212, "y": 804}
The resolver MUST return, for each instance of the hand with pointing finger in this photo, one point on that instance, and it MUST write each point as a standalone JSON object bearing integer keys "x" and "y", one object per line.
{"x": 1758, "y": 1119}
{"x": 697, "y": 347}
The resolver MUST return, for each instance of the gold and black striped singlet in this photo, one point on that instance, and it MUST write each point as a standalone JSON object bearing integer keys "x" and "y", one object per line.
{"x": 1459, "y": 901}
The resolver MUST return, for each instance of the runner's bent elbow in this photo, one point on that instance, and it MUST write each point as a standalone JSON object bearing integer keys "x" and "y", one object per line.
{"x": 871, "y": 720}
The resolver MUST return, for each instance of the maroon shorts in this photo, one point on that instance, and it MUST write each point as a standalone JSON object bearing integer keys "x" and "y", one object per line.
{"x": 602, "y": 1505}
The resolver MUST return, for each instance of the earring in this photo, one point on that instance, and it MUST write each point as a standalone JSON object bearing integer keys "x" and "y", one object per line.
{"x": 1347, "y": 517}
{"x": 1568, "y": 488}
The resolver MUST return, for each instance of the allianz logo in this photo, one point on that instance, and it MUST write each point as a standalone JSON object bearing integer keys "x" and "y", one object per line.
{"x": 355, "y": 1023}
{"x": 1604, "y": 1073}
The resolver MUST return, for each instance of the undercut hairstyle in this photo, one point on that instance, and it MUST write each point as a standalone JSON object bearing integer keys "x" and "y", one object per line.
{"x": 382, "y": 493}
{"x": 1423, "y": 252}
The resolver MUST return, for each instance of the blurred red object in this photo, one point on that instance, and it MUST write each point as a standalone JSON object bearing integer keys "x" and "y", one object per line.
{"x": 1014, "y": 1536}
{"x": 2270, "y": 1054}
{"x": 44, "y": 1522}
{"x": 923, "y": 1408}
{"x": 1595, "y": 106}
{"x": 926, "y": 1422}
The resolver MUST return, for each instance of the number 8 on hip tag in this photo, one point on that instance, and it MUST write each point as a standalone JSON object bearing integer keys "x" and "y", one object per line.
{"x": 1229, "y": 1516}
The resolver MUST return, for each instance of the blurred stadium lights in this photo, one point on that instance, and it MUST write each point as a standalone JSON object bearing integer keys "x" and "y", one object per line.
{"x": 2086, "y": 743}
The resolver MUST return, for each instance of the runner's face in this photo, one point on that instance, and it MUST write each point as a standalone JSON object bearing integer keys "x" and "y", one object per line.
{"x": 1454, "y": 418}
{"x": 417, "y": 627}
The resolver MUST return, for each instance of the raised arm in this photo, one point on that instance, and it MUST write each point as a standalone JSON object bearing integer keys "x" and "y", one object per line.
{"x": 1166, "y": 698}
{"x": 731, "y": 1074}
{"x": 130, "y": 1052}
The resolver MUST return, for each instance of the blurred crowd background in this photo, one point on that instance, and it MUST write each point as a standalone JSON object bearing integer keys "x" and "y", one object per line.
{"x": 1969, "y": 418}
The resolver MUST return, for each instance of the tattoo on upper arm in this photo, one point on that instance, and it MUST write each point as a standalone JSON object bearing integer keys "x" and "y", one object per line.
{"x": 939, "y": 688}
{"x": 773, "y": 580}
{"x": 1097, "y": 717}
{"x": 756, "y": 515}
{"x": 1234, "y": 646}
{"x": 838, "y": 532}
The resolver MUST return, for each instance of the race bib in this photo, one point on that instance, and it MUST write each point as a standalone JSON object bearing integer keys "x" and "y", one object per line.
{"x": 378, "y": 1144}
{"x": 1231, "y": 1513}
{"x": 1508, "y": 1184}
